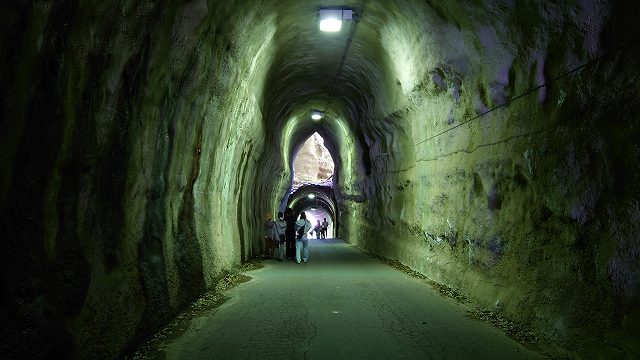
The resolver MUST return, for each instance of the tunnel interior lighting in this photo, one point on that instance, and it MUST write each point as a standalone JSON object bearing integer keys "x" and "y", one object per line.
{"x": 311, "y": 196}
{"x": 331, "y": 19}
{"x": 330, "y": 25}
{"x": 317, "y": 115}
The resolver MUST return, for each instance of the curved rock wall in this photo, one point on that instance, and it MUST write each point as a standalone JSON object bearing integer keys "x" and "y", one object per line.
{"x": 509, "y": 176}
{"x": 125, "y": 187}
{"x": 142, "y": 142}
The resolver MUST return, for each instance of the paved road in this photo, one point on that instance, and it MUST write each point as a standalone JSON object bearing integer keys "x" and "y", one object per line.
{"x": 340, "y": 305}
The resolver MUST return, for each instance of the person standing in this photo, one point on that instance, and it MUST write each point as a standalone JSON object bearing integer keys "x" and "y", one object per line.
{"x": 280, "y": 229}
{"x": 268, "y": 228}
{"x": 318, "y": 229}
{"x": 290, "y": 233}
{"x": 302, "y": 242}
{"x": 325, "y": 226}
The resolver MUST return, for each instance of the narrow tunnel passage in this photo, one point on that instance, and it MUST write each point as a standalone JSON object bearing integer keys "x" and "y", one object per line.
{"x": 314, "y": 189}
{"x": 341, "y": 304}
{"x": 490, "y": 147}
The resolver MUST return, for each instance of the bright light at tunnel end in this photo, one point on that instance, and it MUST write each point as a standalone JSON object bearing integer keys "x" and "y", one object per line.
{"x": 311, "y": 196}
{"x": 330, "y": 25}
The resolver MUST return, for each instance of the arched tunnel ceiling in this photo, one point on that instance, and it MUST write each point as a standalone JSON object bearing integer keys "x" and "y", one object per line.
{"x": 304, "y": 67}
{"x": 323, "y": 198}
{"x": 396, "y": 47}
{"x": 144, "y": 140}
{"x": 347, "y": 74}
{"x": 308, "y": 62}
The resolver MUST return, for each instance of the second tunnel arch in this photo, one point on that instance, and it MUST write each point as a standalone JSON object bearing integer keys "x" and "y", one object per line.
{"x": 339, "y": 139}
{"x": 314, "y": 196}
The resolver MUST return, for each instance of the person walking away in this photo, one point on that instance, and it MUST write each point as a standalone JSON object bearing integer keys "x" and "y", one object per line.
{"x": 268, "y": 227}
{"x": 317, "y": 229}
{"x": 280, "y": 229}
{"x": 302, "y": 242}
{"x": 325, "y": 226}
{"x": 291, "y": 233}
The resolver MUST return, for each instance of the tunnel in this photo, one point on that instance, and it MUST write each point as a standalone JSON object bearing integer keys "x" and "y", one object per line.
{"x": 488, "y": 146}
{"x": 319, "y": 204}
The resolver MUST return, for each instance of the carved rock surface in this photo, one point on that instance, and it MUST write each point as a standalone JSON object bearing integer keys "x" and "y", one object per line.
{"x": 141, "y": 142}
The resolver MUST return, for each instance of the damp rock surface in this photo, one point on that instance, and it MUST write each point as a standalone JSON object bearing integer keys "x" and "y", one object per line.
{"x": 489, "y": 146}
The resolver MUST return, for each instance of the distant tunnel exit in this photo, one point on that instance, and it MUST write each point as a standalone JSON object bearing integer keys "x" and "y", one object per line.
{"x": 318, "y": 202}
{"x": 313, "y": 163}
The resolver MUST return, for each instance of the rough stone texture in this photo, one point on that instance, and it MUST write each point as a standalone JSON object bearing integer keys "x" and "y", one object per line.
{"x": 313, "y": 162}
{"x": 142, "y": 141}
{"x": 132, "y": 128}
{"x": 525, "y": 208}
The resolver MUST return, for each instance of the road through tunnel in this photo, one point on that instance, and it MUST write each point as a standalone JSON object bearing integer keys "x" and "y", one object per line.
{"x": 489, "y": 146}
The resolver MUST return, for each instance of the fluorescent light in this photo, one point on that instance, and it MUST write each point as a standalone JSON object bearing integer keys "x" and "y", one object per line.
{"x": 330, "y": 25}
{"x": 317, "y": 114}
{"x": 331, "y": 18}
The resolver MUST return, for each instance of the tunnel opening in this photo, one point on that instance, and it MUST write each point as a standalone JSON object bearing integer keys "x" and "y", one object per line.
{"x": 313, "y": 163}
{"x": 317, "y": 216}
{"x": 318, "y": 202}
{"x": 480, "y": 145}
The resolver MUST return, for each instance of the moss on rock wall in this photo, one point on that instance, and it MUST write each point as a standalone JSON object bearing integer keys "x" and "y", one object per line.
{"x": 142, "y": 141}
{"x": 133, "y": 128}
{"x": 511, "y": 185}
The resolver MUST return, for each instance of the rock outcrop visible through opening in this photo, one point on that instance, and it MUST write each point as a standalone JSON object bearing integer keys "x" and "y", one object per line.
{"x": 496, "y": 143}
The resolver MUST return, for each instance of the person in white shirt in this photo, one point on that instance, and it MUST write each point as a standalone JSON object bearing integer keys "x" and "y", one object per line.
{"x": 325, "y": 225}
{"x": 302, "y": 242}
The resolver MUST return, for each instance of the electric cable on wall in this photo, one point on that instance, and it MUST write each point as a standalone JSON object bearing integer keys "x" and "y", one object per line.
{"x": 354, "y": 24}
{"x": 528, "y": 92}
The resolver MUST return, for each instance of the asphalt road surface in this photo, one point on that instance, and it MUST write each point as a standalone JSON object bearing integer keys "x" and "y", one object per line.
{"x": 340, "y": 305}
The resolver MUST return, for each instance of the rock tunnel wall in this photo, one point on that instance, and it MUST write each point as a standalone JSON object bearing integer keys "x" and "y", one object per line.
{"x": 527, "y": 208}
{"x": 143, "y": 141}
{"x": 128, "y": 135}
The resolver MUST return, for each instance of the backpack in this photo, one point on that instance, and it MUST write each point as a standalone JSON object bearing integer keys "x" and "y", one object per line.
{"x": 300, "y": 232}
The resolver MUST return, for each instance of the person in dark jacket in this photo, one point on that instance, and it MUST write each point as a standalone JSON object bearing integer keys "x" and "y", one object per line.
{"x": 325, "y": 226}
{"x": 290, "y": 218}
{"x": 268, "y": 229}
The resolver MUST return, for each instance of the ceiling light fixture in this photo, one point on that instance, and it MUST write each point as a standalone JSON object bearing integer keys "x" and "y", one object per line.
{"x": 331, "y": 19}
{"x": 317, "y": 114}
{"x": 330, "y": 25}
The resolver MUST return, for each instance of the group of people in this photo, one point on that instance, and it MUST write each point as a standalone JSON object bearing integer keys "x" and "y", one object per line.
{"x": 288, "y": 235}
{"x": 321, "y": 229}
